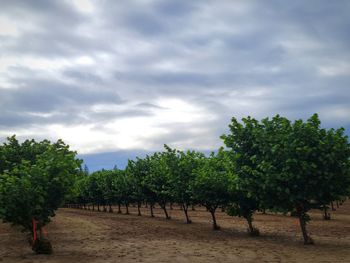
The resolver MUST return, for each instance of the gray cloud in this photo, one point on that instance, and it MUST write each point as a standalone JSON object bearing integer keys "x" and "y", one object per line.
{"x": 154, "y": 72}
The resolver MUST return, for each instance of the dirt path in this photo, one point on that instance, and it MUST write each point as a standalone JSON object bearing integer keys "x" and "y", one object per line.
{"x": 87, "y": 236}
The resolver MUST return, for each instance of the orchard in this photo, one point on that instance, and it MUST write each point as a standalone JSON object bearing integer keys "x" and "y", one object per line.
{"x": 277, "y": 165}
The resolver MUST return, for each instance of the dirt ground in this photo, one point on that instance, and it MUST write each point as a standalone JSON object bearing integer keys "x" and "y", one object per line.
{"x": 87, "y": 236}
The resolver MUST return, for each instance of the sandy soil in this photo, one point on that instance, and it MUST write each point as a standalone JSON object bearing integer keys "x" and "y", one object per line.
{"x": 87, "y": 236}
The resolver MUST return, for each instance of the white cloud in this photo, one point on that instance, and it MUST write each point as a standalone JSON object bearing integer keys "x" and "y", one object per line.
{"x": 84, "y": 6}
{"x": 8, "y": 27}
{"x": 84, "y": 60}
{"x": 33, "y": 63}
{"x": 335, "y": 69}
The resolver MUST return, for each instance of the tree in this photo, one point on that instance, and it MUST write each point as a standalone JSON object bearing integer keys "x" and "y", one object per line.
{"x": 334, "y": 165}
{"x": 293, "y": 163}
{"x": 212, "y": 183}
{"x": 182, "y": 166}
{"x": 96, "y": 190}
{"x": 137, "y": 171}
{"x": 244, "y": 157}
{"x": 157, "y": 181}
{"x": 34, "y": 179}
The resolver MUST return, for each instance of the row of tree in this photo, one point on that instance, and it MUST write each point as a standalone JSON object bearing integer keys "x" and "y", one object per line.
{"x": 272, "y": 164}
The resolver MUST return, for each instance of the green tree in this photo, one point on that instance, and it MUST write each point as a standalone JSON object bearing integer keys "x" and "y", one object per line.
{"x": 137, "y": 171}
{"x": 212, "y": 184}
{"x": 34, "y": 179}
{"x": 96, "y": 190}
{"x": 293, "y": 163}
{"x": 158, "y": 183}
{"x": 182, "y": 166}
{"x": 334, "y": 164}
{"x": 244, "y": 157}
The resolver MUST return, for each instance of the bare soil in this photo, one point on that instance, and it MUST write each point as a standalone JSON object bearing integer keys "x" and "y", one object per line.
{"x": 87, "y": 236}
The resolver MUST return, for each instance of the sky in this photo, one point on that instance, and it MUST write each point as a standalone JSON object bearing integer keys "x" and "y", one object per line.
{"x": 118, "y": 79}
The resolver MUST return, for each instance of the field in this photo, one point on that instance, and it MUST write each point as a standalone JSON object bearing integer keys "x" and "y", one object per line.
{"x": 87, "y": 236}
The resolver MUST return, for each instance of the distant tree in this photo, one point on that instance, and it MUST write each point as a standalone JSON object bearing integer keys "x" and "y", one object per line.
{"x": 137, "y": 171}
{"x": 212, "y": 184}
{"x": 333, "y": 163}
{"x": 182, "y": 166}
{"x": 157, "y": 181}
{"x": 96, "y": 190}
{"x": 86, "y": 170}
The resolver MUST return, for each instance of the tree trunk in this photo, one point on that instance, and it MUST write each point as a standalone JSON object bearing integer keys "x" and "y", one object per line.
{"x": 193, "y": 209}
{"x": 326, "y": 215}
{"x": 307, "y": 239}
{"x": 93, "y": 207}
{"x": 119, "y": 210}
{"x": 215, "y": 226}
{"x": 250, "y": 225}
{"x": 165, "y": 211}
{"x": 151, "y": 208}
{"x": 41, "y": 245}
{"x": 333, "y": 209}
{"x": 110, "y": 208}
{"x": 171, "y": 206}
{"x": 252, "y": 230}
{"x": 127, "y": 209}
{"x": 185, "y": 209}
{"x": 138, "y": 209}
{"x": 98, "y": 207}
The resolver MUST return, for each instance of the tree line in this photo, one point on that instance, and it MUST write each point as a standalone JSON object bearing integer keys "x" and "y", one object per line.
{"x": 273, "y": 164}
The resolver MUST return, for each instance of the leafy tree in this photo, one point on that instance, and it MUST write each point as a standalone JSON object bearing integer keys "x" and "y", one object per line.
{"x": 212, "y": 183}
{"x": 109, "y": 178}
{"x": 157, "y": 181}
{"x": 117, "y": 190}
{"x": 125, "y": 189}
{"x": 78, "y": 194}
{"x": 182, "y": 166}
{"x": 96, "y": 190}
{"x": 147, "y": 189}
{"x": 244, "y": 157}
{"x": 34, "y": 179}
{"x": 137, "y": 171}
{"x": 293, "y": 163}
{"x": 334, "y": 165}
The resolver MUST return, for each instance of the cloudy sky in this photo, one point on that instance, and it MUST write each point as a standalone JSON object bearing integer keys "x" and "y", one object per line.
{"x": 115, "y": 79}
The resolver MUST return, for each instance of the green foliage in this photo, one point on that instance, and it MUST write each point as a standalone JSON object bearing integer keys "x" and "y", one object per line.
{"x": 273, "y": 164}
{"x": 183, "y": 175}
{"x": 34, "y": 179}
{"x": 137, "y": 171}
{"x": 212, "y": 183}
{"x": 289, "y": 166}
